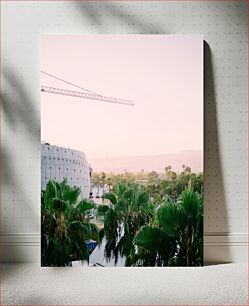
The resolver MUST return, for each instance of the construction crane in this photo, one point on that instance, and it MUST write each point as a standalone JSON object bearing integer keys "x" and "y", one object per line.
{"x": 85, "y": 95}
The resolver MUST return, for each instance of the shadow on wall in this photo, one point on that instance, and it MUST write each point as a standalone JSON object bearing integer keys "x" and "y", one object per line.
{"x": 19, "y": 116}
{"x": 22, "y": 119}
{"x": 95, "y": 13}
{"x": 214, "y": 195}
{"x": 18, "y": 107}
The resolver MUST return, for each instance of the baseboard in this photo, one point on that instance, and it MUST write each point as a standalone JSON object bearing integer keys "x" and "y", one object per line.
{"x": 20, "y": 247}
{"x": 225, "y": 247}
{"x": 218, "y": 247}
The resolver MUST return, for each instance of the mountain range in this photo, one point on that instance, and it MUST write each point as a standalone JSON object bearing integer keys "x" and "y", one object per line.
{"x": 191, "y": 158}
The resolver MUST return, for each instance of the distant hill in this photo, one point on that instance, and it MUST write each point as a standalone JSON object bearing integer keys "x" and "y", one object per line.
{"x": 193, "y": 158}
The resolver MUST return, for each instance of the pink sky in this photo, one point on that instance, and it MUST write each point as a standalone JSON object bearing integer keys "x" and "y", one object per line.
{"x": 162, "y": 74}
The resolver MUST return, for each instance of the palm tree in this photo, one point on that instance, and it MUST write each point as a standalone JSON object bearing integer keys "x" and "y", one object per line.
{"x": 103, "y": 177}
{"x": 176, "y": 236}
{"x": 129, "y": 209}
{"x": 64, "y": 225}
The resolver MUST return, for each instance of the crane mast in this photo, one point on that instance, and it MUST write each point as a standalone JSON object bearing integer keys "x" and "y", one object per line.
{"x": 85, "y": 95}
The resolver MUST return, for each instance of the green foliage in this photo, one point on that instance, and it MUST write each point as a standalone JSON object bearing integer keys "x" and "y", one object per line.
{"x": 154, "y": 247}
{"x": 131, "y": 210}
{"x": 83, "y": 206}
{"x": 65, "y": 227}
{"x": 149, "y": 237}
{"x": 173, "y": 184}
{"x": 102, "y": 209}
{"x": 111, "y": 197}
{"x": 149, "y": 221}
{"x": 177, "y": 236}
{"x": 158, "y": 222}
{"x": 171, "y": 217}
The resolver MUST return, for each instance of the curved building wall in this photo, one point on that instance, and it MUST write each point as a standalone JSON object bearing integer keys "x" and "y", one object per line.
{"x": 58, "y": 163}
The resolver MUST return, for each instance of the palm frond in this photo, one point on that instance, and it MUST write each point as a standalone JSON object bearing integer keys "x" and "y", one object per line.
{"x": 171, "y": 217}
{"x": 111, "y": 197}
{"x": 84, "y": 205}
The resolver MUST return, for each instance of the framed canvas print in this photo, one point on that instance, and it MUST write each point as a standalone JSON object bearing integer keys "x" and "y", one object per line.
{"x": 122, "y": 150}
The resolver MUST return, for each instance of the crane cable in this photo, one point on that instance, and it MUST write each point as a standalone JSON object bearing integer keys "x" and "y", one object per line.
{"x": 70, "y": 83}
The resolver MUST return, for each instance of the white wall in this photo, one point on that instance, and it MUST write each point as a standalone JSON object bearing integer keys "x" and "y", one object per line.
{"x": 224, "y": 26}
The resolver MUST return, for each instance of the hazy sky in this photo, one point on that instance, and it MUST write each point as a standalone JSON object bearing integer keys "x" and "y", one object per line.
{"x": 162, "y": 74}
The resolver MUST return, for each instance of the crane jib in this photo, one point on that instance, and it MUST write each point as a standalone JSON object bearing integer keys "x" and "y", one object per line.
{"x": 85, "y": 95}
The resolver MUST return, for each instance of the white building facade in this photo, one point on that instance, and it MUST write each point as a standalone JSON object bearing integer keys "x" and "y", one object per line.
{"x": 99, "y": 191}
{"x": 60, "y": 163}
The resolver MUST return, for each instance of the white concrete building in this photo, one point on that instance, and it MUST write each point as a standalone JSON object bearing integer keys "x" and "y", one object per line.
{"x": 58, "y": 163}
{"x": 98, "y": 191}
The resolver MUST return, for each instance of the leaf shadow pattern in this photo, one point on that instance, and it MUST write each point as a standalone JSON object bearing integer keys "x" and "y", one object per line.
{"x": 17, "y": 105}
{"x": 214, "y": 195}
{"x": 96, "y": 14}
{"x": 20, "y": 121}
